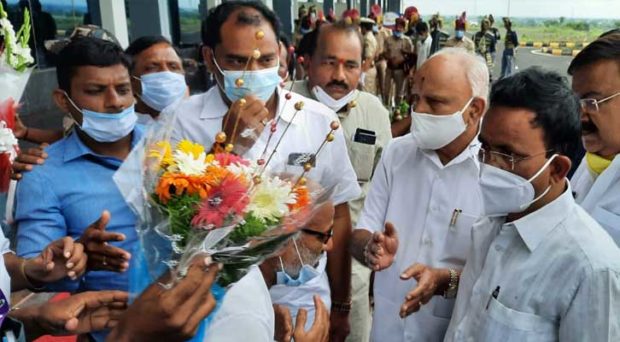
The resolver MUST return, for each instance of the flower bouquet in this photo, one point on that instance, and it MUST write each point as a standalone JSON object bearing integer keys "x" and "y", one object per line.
{"x": 15, "y": 69}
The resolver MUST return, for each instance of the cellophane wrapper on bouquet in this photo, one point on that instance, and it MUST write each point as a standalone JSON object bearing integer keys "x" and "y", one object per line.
{"x": 15, "y": 70}
{"x": 191, "y": 202}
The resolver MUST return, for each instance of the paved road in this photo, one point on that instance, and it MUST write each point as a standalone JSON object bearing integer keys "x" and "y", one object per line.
{"x": 527, "y": 57}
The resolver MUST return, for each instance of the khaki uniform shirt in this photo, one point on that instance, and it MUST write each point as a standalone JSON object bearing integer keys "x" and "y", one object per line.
{"x": 370, "y": 46}
{"x": 382, "y": 36}
{"x": 394, "y": 47}
{"x": 369, "y": 114}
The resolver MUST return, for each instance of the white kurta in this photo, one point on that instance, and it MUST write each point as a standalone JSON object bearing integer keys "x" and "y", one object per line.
{"x": 553, "y": 275}
{"x": 417, "y": 193}
{"x": 600, "y": 196}
{"x": 246, "y": 313}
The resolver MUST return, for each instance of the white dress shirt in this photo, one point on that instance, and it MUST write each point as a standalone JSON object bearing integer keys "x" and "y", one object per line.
{"x": 246, "y": 313}
{"x": 553, "y": 275}
{"x": 423, "y": 49}
{"x": 199, "y": 119}
{"x": 417, "y": 193}
{"x": 600, "y": 195}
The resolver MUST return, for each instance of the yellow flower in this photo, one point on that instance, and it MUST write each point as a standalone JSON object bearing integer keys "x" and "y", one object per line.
{"x": 189, "y": 147}
{"x": 163, "y": 152}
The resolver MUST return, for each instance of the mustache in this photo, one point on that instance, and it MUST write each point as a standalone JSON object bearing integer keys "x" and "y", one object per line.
{"x": 338, "y": 84}
{"x": 588, "y": 127}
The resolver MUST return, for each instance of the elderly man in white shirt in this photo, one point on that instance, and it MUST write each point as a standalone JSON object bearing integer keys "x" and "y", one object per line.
{"x": 425, "y": 191}
{"x": 270, "y": 125}
{"x": 540, "y": 268}
{"x": 247, "y": 313}
{"x": 596, "y": 182}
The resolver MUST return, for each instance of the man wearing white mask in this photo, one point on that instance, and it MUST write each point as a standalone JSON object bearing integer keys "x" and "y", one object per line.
{"x": 158, "y": 78}
{"x": 540, "y": 268}
{"x": 334, "y": 66}
{"x": 267, "y": 123}
{"x": 425, "y": 192}
{"x": 596, "y": 182}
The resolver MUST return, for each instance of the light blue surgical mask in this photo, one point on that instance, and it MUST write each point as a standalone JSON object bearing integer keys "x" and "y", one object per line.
{"x": 107, "y": 127}
{"x": 397, "y": 34}
{"x": 459, "y": 34}
{"x": 306, "y": 273}
{"x": 260, "y": 83}
{"x": 375, "y": 29}
{"x": 161, "y": 89}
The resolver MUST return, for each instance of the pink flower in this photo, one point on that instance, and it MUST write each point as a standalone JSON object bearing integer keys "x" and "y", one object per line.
{"x": 226, "y": 159}
{"x": 228, "y": 199}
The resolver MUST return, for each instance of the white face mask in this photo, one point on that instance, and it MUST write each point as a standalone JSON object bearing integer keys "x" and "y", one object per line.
{"x": 329, "y": 101}
{"x": 432, "y": 132}
{"x": 504, "y": 192}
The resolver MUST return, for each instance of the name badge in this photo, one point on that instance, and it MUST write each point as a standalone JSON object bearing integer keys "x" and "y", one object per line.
{"x": 301, "y": 159}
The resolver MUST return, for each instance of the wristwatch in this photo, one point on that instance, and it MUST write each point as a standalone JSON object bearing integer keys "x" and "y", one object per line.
{"x": 453, "y": 286}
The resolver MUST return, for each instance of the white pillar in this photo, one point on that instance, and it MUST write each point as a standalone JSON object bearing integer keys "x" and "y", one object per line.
{"x": 114, "y": 19}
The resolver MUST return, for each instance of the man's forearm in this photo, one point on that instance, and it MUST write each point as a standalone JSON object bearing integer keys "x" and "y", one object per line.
{"x": 359, "y": 240}
{"x": 29, "y": 317}
{"x": 339, "y": 258}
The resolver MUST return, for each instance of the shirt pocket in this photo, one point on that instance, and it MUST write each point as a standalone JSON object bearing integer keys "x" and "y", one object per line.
{"x": 458, "y": 240}
{"x": 363, "y": 160}
{"x": 501, "y": 323}
{"x": 609, "y": 220}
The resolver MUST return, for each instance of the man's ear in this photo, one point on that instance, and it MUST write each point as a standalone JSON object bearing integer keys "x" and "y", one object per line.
{"x": 61, "y": 99}
{"x": 560, "y": 167}
{"x": 208, "y": 56}
{"x": 475, "y": 112}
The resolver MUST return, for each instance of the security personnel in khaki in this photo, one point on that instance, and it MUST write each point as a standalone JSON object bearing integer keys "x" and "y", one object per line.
{"x": 396, "y": 49}
{"x": 369, "y": 78}
{"x": 334, "y": 68}
{"x": 383, "y": 33}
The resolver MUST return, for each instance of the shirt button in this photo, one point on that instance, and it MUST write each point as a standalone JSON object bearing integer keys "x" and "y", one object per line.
{"x": 427, "y": 240}
{"x": 498, "y": 248}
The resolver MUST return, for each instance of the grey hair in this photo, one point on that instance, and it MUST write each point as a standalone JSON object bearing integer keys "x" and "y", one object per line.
{"x": 475, "y": 69}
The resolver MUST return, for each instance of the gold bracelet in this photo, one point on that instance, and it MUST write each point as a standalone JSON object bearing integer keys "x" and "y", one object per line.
{"x": 29, "y": 285}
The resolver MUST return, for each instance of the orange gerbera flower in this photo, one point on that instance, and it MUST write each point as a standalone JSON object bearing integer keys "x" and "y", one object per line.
{"x": 302, "y": 198}
{"x": 177, "y": 184}
{"x": 214, "y": 175}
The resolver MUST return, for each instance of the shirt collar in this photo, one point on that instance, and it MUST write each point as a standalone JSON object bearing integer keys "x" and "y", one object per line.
{"x": 534, "y": 227}
{"x": 75, "y": 148}
{"x": 471, "y": 152}
{"x": 214, "y": 107}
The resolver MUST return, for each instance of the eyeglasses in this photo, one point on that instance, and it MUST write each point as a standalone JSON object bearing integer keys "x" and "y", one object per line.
{"x": 324, "y": 237}
{"x": 592, "y": 105}
{"x": 503, "y": 160}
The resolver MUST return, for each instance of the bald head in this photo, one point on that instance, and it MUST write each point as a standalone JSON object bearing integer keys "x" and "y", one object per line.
{"x": 458, "y": 64}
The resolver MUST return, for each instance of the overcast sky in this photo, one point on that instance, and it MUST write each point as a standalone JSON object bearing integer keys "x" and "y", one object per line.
{"x": 522, "y": 8}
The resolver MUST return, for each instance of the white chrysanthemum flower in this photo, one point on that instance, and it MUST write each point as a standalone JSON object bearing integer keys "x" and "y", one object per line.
{"x": 243, "y": 170}
{"x": 269, "y": 199}
{"x": 188, "y": 165}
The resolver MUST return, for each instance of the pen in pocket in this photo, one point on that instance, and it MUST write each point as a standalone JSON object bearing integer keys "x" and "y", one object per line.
{"x": 495, "y": 294}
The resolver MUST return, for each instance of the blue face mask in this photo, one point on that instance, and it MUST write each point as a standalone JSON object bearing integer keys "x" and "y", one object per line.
{"x": 306, "y": 273}
{"x": 460, "y": 34}
{"x": 161, "y": 89}
{"x": 260, "y": 83}
{"x": 375, "y": 29}
{"x": 107, "y": 127}
{"x": 397, "y": 34}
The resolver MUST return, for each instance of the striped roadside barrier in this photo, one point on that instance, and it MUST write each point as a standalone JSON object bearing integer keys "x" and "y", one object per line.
{"x": 554, "y": 45}
{"x": 560, "y": 51}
